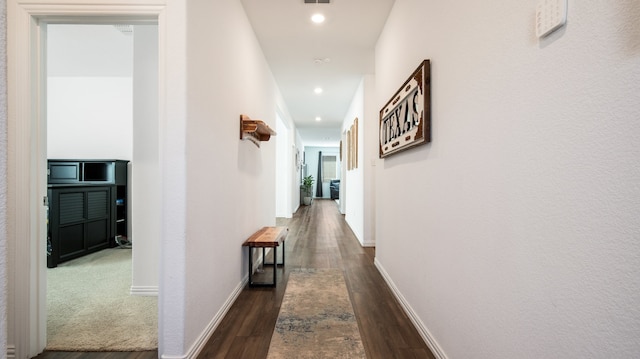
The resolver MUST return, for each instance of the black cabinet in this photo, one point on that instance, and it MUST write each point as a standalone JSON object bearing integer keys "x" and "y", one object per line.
{"x": 79, "y": 221}
{"x": 87, "y": 207}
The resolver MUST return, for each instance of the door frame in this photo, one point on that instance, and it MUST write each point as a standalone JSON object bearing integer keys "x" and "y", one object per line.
{"x": 26, "y": 154}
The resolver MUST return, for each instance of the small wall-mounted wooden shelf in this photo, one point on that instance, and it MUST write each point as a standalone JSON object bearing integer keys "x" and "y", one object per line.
{"x": 254, "y": 130}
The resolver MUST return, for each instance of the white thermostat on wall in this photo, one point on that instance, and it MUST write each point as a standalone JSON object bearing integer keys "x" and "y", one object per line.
{"x": 550, "y": 16}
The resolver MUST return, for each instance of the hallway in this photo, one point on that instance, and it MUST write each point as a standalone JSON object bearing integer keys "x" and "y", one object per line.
{"x": 320, "y": 238}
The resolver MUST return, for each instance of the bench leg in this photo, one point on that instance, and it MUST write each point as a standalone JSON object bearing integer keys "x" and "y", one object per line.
{"x": 275, "y": 267}
{"x": 250, "y": 266}
{"x": 275, "y": 264}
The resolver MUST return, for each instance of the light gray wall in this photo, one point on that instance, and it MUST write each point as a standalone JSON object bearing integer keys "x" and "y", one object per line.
{"x": 514, "y": 234}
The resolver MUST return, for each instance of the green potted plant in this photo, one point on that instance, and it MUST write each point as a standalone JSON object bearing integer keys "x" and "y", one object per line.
{"x": 307, "y": 185}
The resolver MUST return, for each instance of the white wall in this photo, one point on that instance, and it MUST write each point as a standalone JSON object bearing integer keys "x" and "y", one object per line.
{"x": 514, "y": 234}
{"x": 370, "y": 148}
{"x": 298, "y": 172}
{"x": 220, "y": 190}
{"x": 172, "y": 298}
{"x": 3, "y": 185}
{"x": 89, "y": 92}
{"x": 283, "y": 169}
{"x": 144, "y": 169}
{"x": 89, "y": 118}
{"x": 352, "y": 184}
{"x": 358, "y": 185}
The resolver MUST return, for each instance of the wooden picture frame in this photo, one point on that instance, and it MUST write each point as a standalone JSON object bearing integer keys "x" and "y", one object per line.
{"x": 405, "y": 121}
{"x": 351, "y": 154}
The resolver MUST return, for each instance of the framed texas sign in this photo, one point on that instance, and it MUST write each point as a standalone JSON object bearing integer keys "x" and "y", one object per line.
{"x": 405, "y": 121}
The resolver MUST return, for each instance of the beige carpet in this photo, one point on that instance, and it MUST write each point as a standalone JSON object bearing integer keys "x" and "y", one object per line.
{"x": 89, "y": 307}
{"x": 316, "y": 319}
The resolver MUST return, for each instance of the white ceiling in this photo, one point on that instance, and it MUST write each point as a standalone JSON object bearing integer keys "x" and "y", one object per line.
{"x": 333, "y": 55}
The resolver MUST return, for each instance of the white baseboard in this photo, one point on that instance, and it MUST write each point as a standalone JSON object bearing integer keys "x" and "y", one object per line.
{"x": 422, "y": 329}
{"x": 149, "y": 291}
{"x": 203, "y": 338}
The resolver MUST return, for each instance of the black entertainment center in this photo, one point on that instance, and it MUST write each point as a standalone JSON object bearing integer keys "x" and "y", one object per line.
{"x": 87, "y": 207}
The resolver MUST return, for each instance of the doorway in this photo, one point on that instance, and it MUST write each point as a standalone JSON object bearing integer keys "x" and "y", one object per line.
{"x": 27, "y": 153}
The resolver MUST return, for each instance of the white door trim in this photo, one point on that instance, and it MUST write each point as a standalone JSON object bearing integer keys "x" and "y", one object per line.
{"x": 26, "y": 229}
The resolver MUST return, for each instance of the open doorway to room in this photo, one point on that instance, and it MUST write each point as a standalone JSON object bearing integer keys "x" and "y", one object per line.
{"x": 324, "y": 165}
{"x": 102, "y": 108}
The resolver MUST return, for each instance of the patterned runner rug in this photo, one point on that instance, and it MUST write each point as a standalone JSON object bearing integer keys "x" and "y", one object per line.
{"x": 316, "y": 319}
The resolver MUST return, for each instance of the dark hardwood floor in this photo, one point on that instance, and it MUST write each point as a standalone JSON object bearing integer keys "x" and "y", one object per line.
{"x": 318, "y": 238}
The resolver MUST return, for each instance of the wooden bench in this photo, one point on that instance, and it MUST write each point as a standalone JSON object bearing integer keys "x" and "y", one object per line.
{"x": 267, "y": 237}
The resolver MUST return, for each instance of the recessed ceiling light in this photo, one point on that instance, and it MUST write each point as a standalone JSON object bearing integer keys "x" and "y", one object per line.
{"x": 318, "y": 119}
{"x": 317, "y": 90}
{"x": 317, "y": 18}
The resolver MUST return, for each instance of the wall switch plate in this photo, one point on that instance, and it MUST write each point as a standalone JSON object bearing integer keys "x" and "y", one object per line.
{"x": 550, "y": 16}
